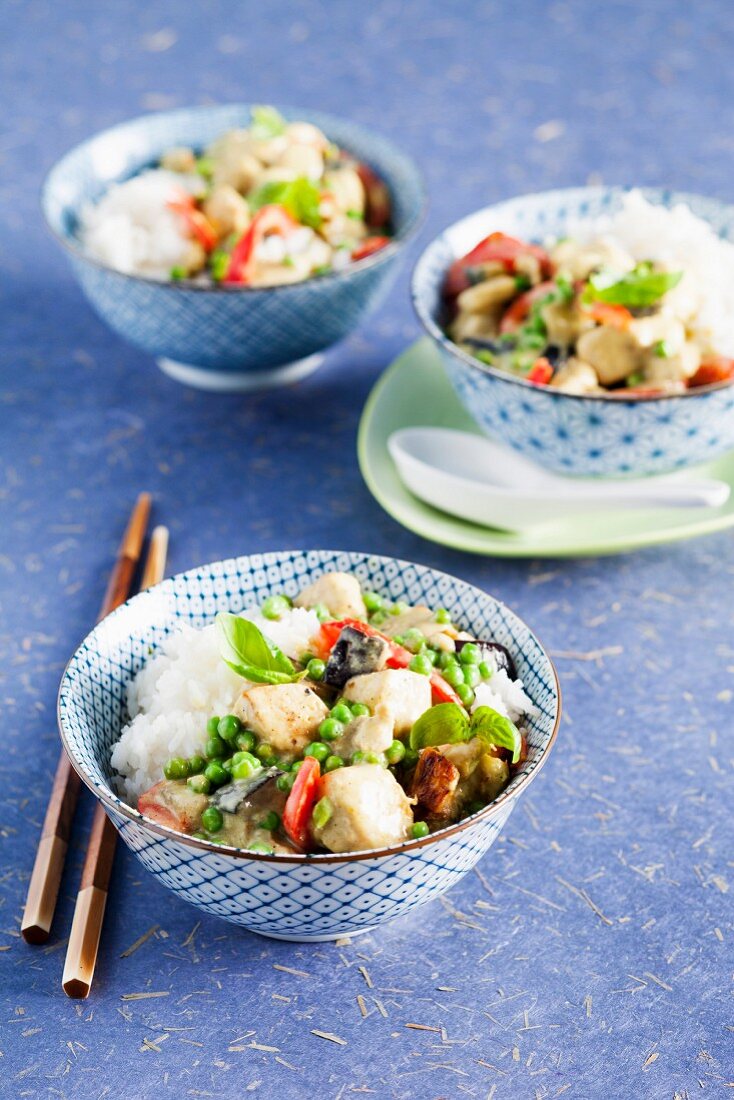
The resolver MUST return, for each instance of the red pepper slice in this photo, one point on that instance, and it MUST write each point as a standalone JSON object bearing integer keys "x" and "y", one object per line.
{"x": 605, "y": 313}
{"x": 368, "y": 246}
{"x": 520, "y": 308}
{"x": 269, "y": 219}
{"x": 541, "y": 372}
{"x": 496, "y": 248}
{"x": 398, "y": 657}
{"x": 714, "y": 369}
{"x": 197, "y": 224}
{"x": 301, "y": 801}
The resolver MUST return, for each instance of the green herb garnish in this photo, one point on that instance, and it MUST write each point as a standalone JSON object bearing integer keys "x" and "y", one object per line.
{"x": 448, "y": 724}
{"x": 266, "y": 123}
{"x": 300, "y": 197}
{"x": 662, "y": 349}
{"x": 638, "y": 289}
{"x": 355, "y": 215}
{"x": 177, "y": 273}
{"x": 251, "y": 655}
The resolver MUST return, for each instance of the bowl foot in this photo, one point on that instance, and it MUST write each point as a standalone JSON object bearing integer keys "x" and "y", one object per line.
{"x": 240, "y": 382}
{"x": 313, "y": 939}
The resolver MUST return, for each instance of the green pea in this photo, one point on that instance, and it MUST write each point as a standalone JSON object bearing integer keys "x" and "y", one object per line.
{"x": 465, "y": 693}
{"x": 441, "y": 615}
{"x": 274, "y": 607}
{"x": 372, "y": 601}
{"x": 245, "y": 741}
{"x": 199, "y": 784}
{"x": 419, "y": 830}
{"x": 296, "y": 766}
{"x": 445, "y": 658}
{"x": 422, "y": 664}
{"x": 472, "y": 675}
{"x": 215, "y": 748}
{"x": 485, "y": 670}
{"x": 341, "y": 713}
{"x": 398, "y": 608}
{"x": 414, "y": 639}
{"x": 262, "y": 849}
{"x": 431, "y": 654}
{"x": 360, "y": 709}
{"x": 229, "y": 727}
{"x": 360, "y": 757}
{"x": 212, "y": 725}
{"x": 398, "y": 639}
{"x": 265, "y": 752}
{"x": 330, "y": 729}
{"x": 216, "y": 774}
{"x": 411, "y": 758}
{"x": 316, "y": 668}
{"x": 395, "y": 753}
{"x": 176, "y": 768}
{"x": 470, "y": 654}
{"x": 322, "y": 613}
{"x": 332, "y": 763}
{"x": 322, "y": 812}
{"x": 379, "y": 617}
{"x": 285, "y": 781}
{"x": 246, "y": 766}
{"x": 212, "y": 819}
{"x": 197, "y": 764}
{"x": 453, "y": 674}
{"x": 270, "y": 822}
{"x": 317, "y": 749}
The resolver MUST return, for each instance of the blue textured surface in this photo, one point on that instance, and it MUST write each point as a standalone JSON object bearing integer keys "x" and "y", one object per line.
{"x": 539, "y": 993}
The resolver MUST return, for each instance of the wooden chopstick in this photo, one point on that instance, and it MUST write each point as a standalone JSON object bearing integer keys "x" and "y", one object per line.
{"x": 49, "y": 863}
{"x": 86, "y": 928}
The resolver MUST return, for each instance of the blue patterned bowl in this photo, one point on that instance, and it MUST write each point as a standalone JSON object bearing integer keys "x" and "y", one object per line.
{"x": 589, "y": 436}
{"x": 298, "y": 897}
{"x": 226, "y": 338}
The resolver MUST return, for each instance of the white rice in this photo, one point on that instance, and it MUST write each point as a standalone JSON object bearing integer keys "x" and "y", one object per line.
{"x": 675, "y": 237}
{"x": 504, "y": 695}
{"x": 174, "y": 695}
{"x": 132, "y": 229}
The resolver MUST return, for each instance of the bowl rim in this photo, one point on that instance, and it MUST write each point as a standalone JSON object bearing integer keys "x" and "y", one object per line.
{"x": 75, "y": 249}
{"x": 114, "y": 803}
{"x": 439, "y": 336}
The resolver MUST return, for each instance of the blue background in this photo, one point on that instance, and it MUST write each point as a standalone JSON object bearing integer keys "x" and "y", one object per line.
{"x": 591, "y": 955}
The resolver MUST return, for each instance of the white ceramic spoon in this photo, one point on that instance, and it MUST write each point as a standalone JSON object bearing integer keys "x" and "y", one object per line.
{"x": 472, "y": 477}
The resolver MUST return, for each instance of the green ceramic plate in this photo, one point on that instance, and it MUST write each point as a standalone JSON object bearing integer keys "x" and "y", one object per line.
{"x": 414, "y": 392}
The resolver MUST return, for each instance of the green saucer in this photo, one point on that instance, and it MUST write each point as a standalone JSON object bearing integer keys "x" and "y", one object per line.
{"x": 415, "y": 392}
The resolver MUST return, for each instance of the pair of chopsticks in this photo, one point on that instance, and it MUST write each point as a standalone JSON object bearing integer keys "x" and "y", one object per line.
{"x": 81, "y": 954}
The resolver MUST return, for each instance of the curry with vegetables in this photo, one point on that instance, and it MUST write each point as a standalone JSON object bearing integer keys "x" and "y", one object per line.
{"x": 394, "y": 724}
{"x": 583, "y": 317}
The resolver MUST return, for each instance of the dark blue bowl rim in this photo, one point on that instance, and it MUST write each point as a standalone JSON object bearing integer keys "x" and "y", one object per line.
{"x": 439, "y": 336}
{"x": 116, "y": 804}
{"x": 189, "y": 286}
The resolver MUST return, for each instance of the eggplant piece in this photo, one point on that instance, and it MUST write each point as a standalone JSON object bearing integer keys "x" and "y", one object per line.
{"x": 434, "y": 786}
{"x": 230, "y": 797}
{"x": 354, "y": 654}
{"x": 491, "y": 651}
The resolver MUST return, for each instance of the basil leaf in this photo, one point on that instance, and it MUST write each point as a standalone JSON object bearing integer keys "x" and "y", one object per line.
{"x": 497, "y": 730}
{"x": 300, "y": 197}
{"x": 444, "y": 724}
{"x": 243, "y": 646}
{"x": 263, "y": 675}
{"x": 266, "y": 123}
{"x": 637, "y": 289}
